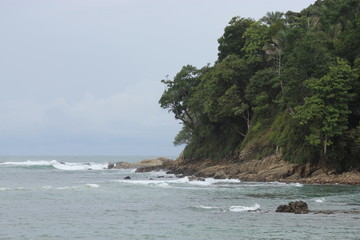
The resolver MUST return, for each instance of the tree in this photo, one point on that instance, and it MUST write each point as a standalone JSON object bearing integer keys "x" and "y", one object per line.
{"x": 272, "y": 17}
{"x": 232, "y": 41}
{"x": 255, "y": 40}
{"x": 326, "y": 111}
{"x": 175, "y": 97}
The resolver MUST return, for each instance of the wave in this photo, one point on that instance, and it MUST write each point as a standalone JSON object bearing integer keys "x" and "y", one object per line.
{"x": 67, "y": 166}
{"x": 253, "y": 208}
{"x": 93, "y": 185}
{"x": 31, "y": 163}
{"x": 179, "y": 182}
{"x": 320, "y": 200}
{"x": 244, "y": 208}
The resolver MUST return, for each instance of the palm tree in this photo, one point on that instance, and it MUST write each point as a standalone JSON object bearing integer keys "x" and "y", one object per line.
{"x": 272, "y": 17}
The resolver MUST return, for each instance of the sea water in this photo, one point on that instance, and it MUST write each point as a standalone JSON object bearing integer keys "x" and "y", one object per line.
{"x": 76, "y": 197}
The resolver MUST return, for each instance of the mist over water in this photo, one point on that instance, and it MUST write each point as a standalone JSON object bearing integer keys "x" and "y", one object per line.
{"x": 76, "y": 197}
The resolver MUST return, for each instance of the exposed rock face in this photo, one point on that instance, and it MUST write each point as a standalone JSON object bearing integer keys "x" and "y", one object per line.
{"x": 298, "y": 207}
{"x": 268, "y": 169}
{"x": 150, "y": 169}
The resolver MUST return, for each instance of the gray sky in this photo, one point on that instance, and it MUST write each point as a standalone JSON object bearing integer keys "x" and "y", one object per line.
{"x": 83, "y": 76}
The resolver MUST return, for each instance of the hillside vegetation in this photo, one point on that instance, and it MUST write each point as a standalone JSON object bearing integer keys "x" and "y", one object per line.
{"x": 287, "y": 83}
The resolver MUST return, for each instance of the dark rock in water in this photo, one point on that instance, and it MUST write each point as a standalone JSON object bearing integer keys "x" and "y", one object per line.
{"x": 62, "y": 163}
{"x": 151, "y": 179}
{"x": 298, "y": 207}
{"x": 283, "y": 208}
{"x": 160, "y": 177}
{"x": 179, "y": 175}
{"x": 127, "y": 177}
{"x": 110, "y": 166}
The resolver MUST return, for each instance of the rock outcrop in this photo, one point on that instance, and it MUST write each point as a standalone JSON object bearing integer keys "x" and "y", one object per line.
{"x": 146, "y": 165}
{"x": 268, "y": 169}
{"x": 298, "y": 207}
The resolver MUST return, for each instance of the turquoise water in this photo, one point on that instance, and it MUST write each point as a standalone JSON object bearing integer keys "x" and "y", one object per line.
{"x": 42, "y": 198}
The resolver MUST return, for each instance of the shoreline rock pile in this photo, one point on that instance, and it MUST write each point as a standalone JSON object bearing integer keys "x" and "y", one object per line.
{"x": 298, "y": 207}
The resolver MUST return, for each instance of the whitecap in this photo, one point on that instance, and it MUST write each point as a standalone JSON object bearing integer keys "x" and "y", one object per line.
{"x": 208, "y": 207}
{"x": 320, "y": 200}
{"x": 93, "y": 185}
{"x": 244, "y": 208}
{"x": 73, "y": 166}
{"x": 31, "y": 163}
{"x": 152, "y": 183}
{"x": 297, "y": 184}
{"x": 211, "y": 181}
{"x": 67, "y": 187}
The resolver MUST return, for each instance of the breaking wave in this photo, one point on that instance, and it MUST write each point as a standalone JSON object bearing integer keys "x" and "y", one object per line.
{"x": 253, "y": 208}
{"x": 67, "y": 166}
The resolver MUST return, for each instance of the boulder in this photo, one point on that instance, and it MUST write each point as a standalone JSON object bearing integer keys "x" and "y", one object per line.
{"x": 127, "y": 177}
{"x": 220, "y": 175}
{"x": 283, "y": 208}
{"x": 298, "y": 207}
{"x": 110, "y": 166}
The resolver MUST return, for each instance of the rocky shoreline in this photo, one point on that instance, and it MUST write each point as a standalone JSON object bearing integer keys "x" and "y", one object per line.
{"x": 269, "y": 169}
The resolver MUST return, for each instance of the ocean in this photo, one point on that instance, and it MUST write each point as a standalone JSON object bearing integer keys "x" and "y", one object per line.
{"x": 76, "y": 197}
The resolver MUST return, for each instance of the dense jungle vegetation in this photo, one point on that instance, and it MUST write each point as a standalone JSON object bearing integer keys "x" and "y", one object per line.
{"x": 287, "y": 83}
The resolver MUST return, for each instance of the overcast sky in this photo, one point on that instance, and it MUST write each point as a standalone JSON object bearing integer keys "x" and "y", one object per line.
{"x": 83, "y": 76}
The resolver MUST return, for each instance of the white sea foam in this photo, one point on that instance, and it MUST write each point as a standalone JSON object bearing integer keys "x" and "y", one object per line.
{"x": 212, "y": 208}
{"x": 67, "y": 187}
{"x": 244, "y": 208}
{"x": 212, "y": 181}
{"x": 31, "y": 163}
{"x": 297, "y": 184}
{"x": 320, "y": 200}
{"x": 93, "y": 185}
{"x": 177, "y": 182}
{"x": 233, "y": 208}
{"x": 7, "y": 188}
{"x": 68, "y": 166}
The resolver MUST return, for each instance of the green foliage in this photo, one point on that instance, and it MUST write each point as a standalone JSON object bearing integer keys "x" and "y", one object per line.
{"x": 288, "y": 83}
{"x": 255, "y": 40}
{"x": 326, "y": 111}
{"x": 232, "y": 42}
{"x": 183, "y": 137}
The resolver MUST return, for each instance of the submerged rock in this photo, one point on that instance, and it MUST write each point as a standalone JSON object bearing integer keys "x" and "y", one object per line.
{"x": 298, "y": 207}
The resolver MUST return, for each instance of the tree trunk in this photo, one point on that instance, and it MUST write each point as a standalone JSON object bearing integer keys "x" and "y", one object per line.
{"x": 325, "y": 147}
